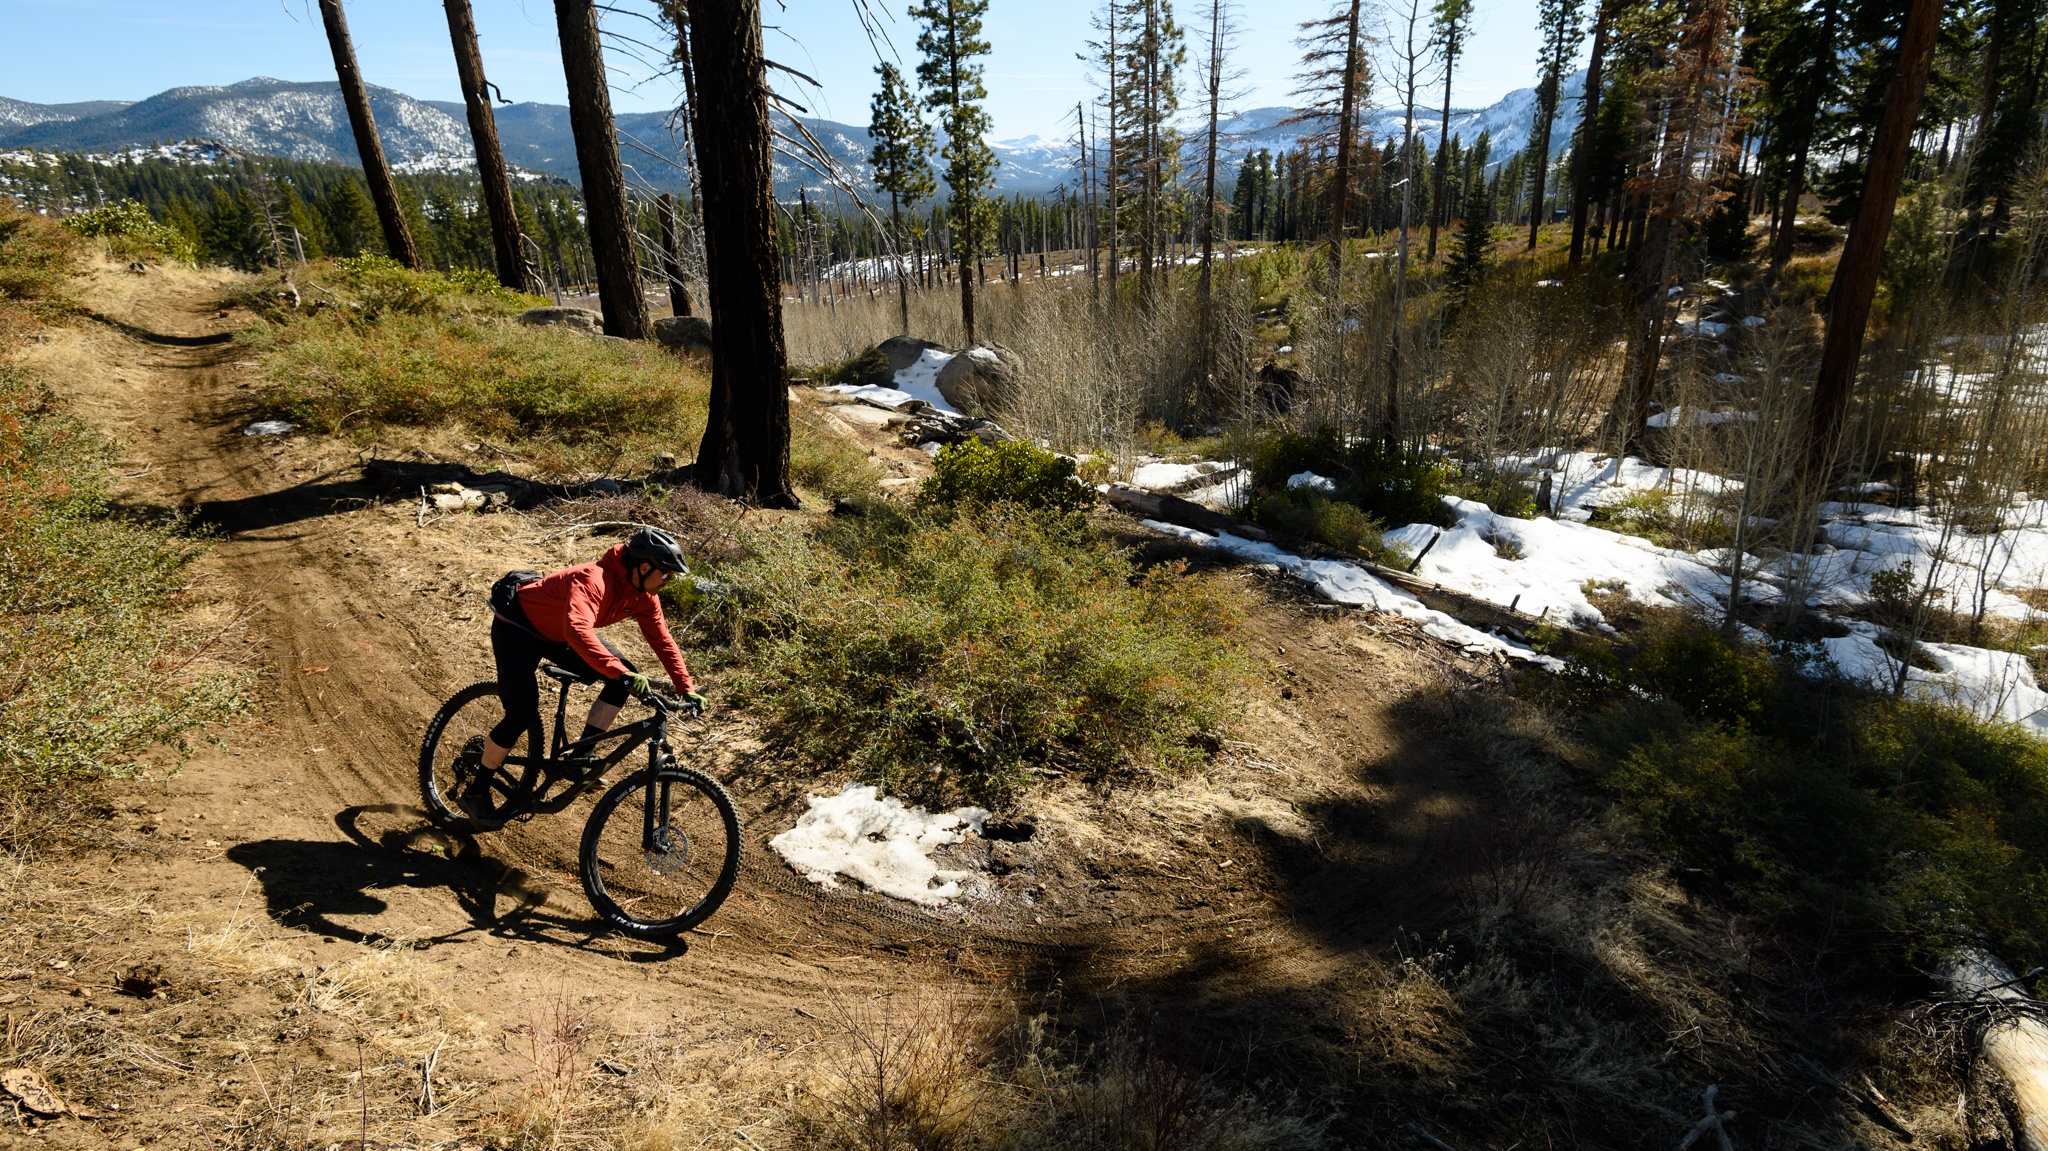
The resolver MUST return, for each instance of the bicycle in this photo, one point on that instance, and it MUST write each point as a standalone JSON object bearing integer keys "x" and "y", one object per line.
{"x": 654, "y": 867}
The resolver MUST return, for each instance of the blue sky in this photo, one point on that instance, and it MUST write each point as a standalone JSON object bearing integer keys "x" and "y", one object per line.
{"x": 55, "y": 51}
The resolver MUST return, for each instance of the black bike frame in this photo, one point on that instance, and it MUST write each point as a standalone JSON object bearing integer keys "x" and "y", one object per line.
{"x": 652, "y": 731}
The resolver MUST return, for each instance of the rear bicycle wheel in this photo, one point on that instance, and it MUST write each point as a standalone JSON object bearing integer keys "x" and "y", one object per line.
{"x": 660, "y": 851}
{"x": 458, "y": 793}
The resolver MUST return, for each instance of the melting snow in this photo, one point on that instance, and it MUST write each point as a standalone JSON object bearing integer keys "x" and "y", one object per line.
{"x": 919, "y": 381}
{"x": 268, "y": 428}
{"x": 1310, "y": 481}
{"x": 1341, "y": 582}
{"x": 878, "y": 842}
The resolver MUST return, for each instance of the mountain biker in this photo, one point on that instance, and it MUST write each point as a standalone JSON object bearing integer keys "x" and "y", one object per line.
{"x": 556, "y": 617}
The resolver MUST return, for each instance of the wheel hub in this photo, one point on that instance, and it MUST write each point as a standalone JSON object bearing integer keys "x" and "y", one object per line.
{"x": 668, "y": 852}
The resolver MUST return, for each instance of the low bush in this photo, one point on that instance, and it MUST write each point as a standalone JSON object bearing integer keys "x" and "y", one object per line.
{"x": 35, "y": 256}
{"x": 1394, "y": 486}
{"x": 495, "y": 378}
{"x": 131, "y": 233}
{"x": 1645, "y": 513}
{"x": 94, "y": 665}
{"x": 947, "y": 657}
{"x": 1811, "y": 802}
{"x": 1333, "y": 523}
{"x": 972, "y": 474}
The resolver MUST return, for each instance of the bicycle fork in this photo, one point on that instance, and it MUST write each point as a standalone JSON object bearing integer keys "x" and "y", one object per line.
{"x": 654, "y": 829}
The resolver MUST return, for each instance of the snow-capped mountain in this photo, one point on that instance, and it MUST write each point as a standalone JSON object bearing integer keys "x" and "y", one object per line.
{"x": 261, "y": 115}
{"x": 21, "y": 114}
{"x": 307, "y": 121}
{"x": 1511, "y": 120}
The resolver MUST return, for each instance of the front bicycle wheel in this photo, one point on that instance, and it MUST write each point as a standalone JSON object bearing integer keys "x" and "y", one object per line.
{"x": 660, "y": 851}
{"x": 459, "y": 794}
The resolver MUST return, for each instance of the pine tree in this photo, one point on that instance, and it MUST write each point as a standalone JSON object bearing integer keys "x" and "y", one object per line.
{"x": 950, "y": 74}
{"x": 1475, "y": 237}
{"x": 1450, "y": 24}
{"x": 902, "y": 163}
{"x": 1557, "y": 23}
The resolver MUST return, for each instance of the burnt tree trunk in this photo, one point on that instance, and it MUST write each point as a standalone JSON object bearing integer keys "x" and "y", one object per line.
{"x": 745, "y": 453}
{"x": 672, "y": 259}
{"x": 376, "y": 170}
{"x": 604, "y": 180}
{"x": 1856, "y": 274}
{"x": 490, "y": 158}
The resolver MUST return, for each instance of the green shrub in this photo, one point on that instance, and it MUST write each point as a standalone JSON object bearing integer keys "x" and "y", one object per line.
{"x": 1806, "y": 801}
{"x": 1314, "y": 516}
{"x": 946, "y": 658}
{"x": 35, "y": 256}
{"x": 379, "y": 285}
{"x": 972, "y": 474}
{"x": 1644, "y": 513}
{"x": 1392, "y": 485}
{"x": 132, "y": 233}
{"x": 1507, "y": 492}
{"x": 94, "y": 667}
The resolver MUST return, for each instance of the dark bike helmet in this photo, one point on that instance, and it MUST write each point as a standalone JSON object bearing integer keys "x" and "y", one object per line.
{"x": 657, "y": 547}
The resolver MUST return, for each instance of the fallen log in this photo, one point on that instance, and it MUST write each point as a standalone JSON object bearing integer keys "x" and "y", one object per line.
{"x": 2014, "y": 1039}
{"x": 1465, "y": 608}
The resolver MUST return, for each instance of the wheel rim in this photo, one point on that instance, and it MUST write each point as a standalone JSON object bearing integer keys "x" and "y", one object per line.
{"x": 459, "y": 783}
{"x": 658, "y": 851}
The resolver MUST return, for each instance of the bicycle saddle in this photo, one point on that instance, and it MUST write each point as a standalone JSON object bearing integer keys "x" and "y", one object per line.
{"x": 564, "y": 674}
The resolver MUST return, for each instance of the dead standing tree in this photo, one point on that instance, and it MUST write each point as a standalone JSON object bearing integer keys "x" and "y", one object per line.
{"x": 604, "y": 180}
{"x": 745, "y": 453}
{"x": 490, "y": 158}
{"x": 1679, "y": 184}
{"x": 376, "y": 170}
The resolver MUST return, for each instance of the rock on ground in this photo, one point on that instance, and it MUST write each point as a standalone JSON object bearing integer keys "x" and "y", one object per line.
{"x": 683, "y": 333}
{"x": 582, "y": 319}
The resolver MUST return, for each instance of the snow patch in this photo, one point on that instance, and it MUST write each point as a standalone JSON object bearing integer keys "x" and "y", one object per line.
{"x": 879, "y": 843}
{"x": 268, "y": 428}
{"x": 1347, "y": 583}
{"x": 1309, "y": 481}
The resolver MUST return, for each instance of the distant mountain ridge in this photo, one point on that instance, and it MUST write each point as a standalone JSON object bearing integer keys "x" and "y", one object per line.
{"x": 307, "y": 121}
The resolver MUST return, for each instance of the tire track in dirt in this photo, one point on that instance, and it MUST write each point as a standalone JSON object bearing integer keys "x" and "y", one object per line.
{"x": 365, "y": 621}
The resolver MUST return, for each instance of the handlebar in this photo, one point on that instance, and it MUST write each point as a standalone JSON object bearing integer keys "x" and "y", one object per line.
{"x": 668, "y": 703}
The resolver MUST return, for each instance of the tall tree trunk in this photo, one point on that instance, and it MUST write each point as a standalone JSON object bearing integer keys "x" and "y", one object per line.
{"x": 672, "y": 258}
{"x": 1582, "y": 152}
{"x": 1539, "y": 153}
{"x": 1788, "y": 214}
{"x": 1439, "y": 199}
{"x": 902, "y": 272}
{"x": 1390, "y": 430}
{"x": 745, "y": 453}
{"x": 490, "y": 158}
{"x": 1205, "y": 287}
{"x": 376, "y": 170}
{"x": 1856, "y": 273}
{"x": 604, "y": 181}
{"x": 1340, "y": 182}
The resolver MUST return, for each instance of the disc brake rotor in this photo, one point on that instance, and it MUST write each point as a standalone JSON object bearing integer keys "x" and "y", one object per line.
{"x": 671, "y": 850}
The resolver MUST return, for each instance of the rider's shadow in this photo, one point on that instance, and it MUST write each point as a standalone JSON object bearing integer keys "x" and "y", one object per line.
{"x": 307, "y": 883}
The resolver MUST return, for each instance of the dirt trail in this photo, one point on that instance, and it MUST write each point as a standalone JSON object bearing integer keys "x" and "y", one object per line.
{"x": 1265, "y": 886}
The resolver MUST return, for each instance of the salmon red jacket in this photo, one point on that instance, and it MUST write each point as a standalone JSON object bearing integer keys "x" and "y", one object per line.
{"x": 570, "y": 605}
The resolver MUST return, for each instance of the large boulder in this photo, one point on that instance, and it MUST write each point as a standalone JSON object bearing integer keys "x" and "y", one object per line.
{"x": 581, "y": 319}
{"x": 977, "y": 379}
{"x": 683, "y": 333}
{"x": 899, "y": 352}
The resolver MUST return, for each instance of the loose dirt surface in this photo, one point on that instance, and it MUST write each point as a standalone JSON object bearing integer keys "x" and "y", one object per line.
{"x": 267, "y": 942}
